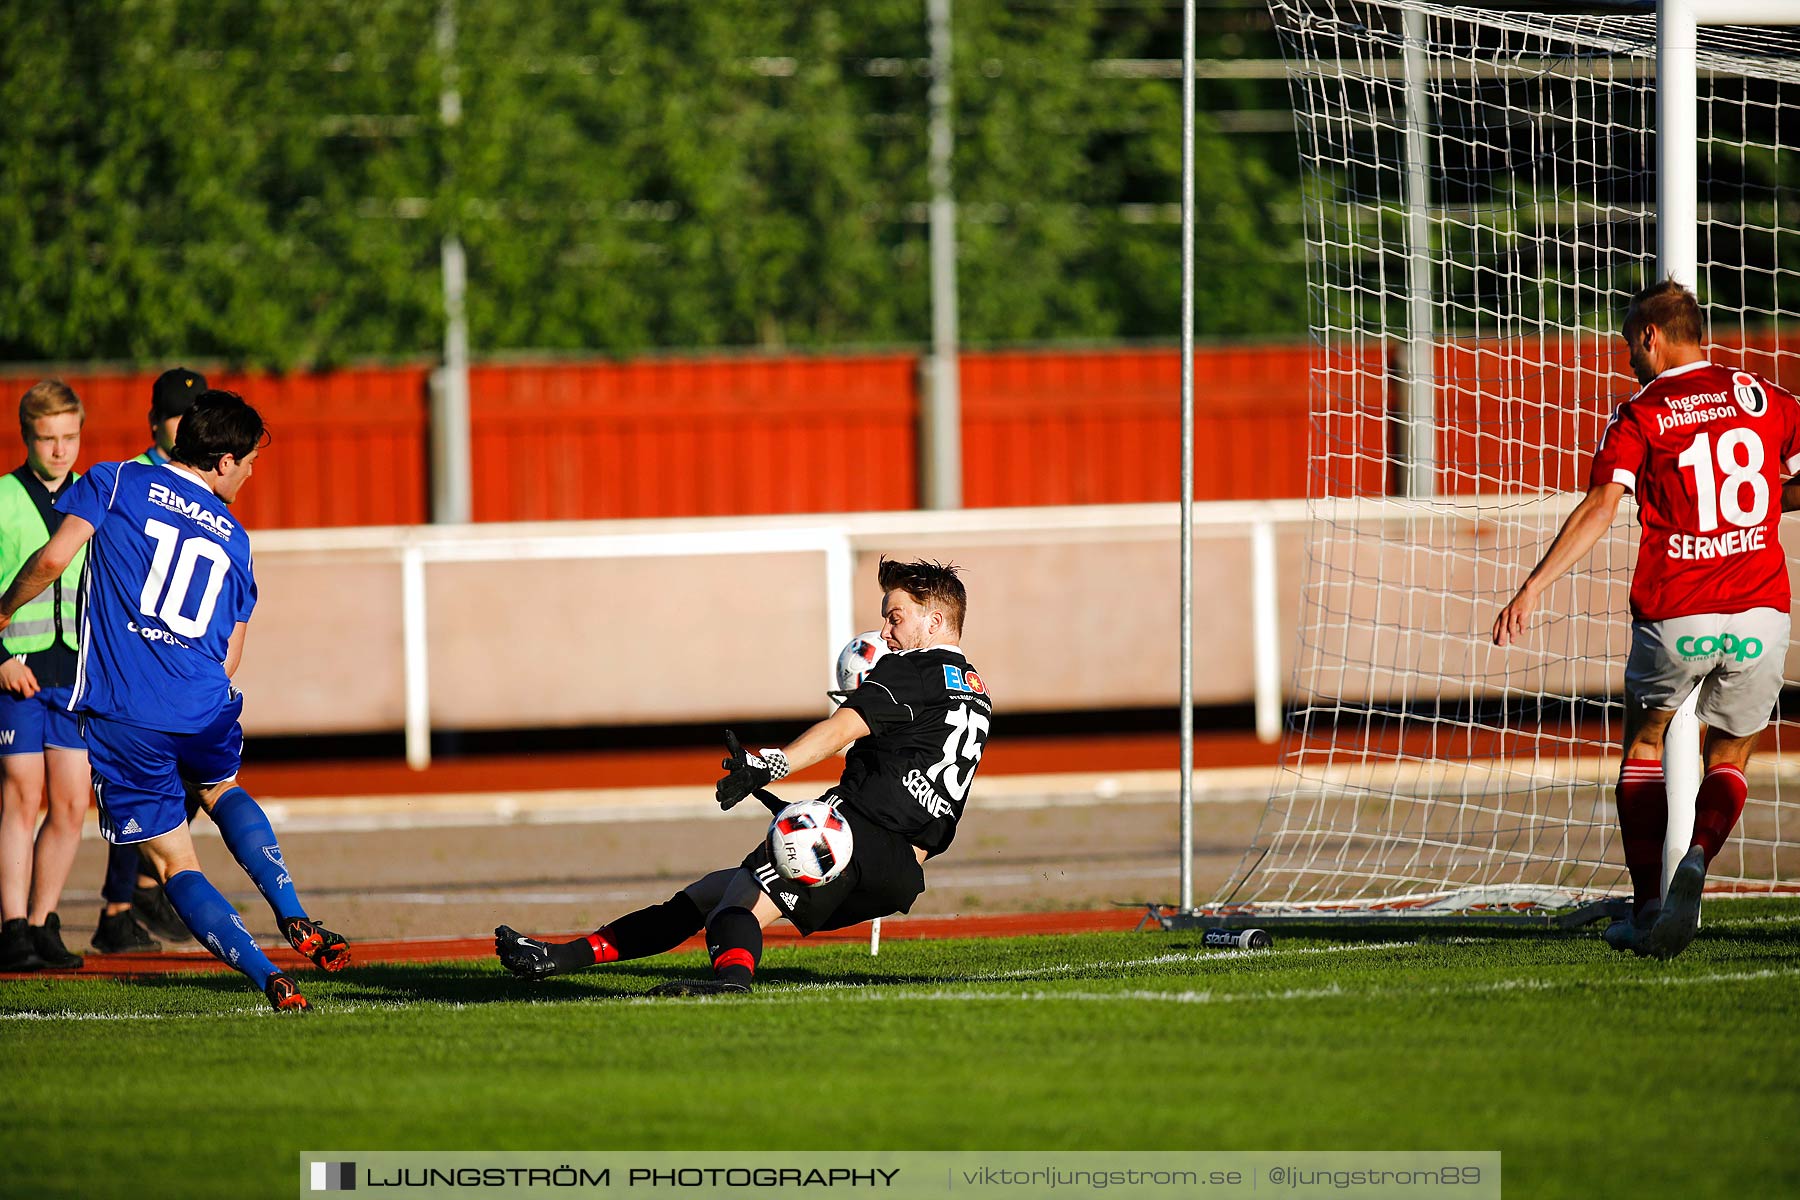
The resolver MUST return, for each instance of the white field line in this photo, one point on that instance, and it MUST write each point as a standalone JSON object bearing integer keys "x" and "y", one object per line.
{"x": 860, "y": 994}
{"x": 1158, "y": 961}
{"x": 1027, "y": 973}
{"x": 863, "y": 995}
{"x": 1329, "y": 991}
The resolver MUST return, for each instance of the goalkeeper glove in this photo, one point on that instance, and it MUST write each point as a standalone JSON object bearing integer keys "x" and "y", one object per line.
{"x": 746, "y": 772}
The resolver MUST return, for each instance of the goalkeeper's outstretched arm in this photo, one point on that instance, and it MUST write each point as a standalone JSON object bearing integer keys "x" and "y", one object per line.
{"x": 746, "y": 773}
{"x": 825, "y": 739}
{"x": 1585, "y": 526}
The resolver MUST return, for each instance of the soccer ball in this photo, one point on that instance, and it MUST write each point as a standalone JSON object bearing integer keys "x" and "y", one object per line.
{"x": 858, "y": 658}
{"x": 810, "y": 842}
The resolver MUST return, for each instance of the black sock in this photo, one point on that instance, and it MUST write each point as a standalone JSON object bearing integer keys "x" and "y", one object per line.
{"x": 571, "y": 956}
{"x": 734, "y": 940}
{"x": 635, "y": 935}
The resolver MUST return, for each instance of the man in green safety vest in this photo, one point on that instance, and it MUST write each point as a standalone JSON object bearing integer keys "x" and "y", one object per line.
{"x": 133, "y": 905}
{"x": 40, "y": 740}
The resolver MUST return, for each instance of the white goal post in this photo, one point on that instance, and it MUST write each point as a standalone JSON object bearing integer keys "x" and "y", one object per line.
{"x": 1484, "y": 188}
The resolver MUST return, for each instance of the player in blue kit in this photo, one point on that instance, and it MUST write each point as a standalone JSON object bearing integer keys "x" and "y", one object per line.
{"x": 165, "y": 599}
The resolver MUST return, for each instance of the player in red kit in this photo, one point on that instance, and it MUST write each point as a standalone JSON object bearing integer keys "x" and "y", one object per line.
{"x": 1707, "y": 450}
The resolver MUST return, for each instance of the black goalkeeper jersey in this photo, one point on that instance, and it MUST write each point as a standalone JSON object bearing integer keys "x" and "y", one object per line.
{"x": 928, "y": 715}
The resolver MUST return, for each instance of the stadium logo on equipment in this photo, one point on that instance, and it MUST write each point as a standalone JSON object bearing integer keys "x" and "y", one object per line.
{"x": 1730, "y": 645}
{"x": 958, "y": 680}
{"x": 1748, "y": 393}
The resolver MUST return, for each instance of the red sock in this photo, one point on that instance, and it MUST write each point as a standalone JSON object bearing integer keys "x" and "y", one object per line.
{"x": 604, "y": 950}
{"x": 634, "y": 935}
{"x": 1718, "y": 807}
{"x": 1643, "y": 800}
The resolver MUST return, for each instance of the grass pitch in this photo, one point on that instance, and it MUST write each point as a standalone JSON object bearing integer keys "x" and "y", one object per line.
{"x": 1593, "y": 1073}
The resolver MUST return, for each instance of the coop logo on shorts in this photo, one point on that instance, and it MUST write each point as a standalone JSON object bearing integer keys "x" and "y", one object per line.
{"x": 958, "y": 680}
{"x": 334, "y": 1177}
{"x": 1748, "y": 393}
{"x": 1727, "y": 644}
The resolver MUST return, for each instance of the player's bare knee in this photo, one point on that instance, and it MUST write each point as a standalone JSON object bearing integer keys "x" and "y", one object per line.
{"x": 1724, "y": 750}
{"x": 169, "y": 868}
{"x": 68, "y": 808}
{"x": 740, "y": 891}
{"x": 1645, "y": 729}
{"x": 764, "y": 910}
{"x": 170, "y": 855}
{"x": 209, "y": 794}
{"x": 22, "y": 803}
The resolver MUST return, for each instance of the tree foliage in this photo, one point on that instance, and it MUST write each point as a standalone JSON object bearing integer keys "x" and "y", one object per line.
{"x": 270, "y": 182}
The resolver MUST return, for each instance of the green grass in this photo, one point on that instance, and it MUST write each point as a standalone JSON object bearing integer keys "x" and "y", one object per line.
{"x": 1593, "y": 1073}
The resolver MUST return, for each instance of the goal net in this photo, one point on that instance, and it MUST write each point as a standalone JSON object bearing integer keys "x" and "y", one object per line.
{"x": 1481, "y": 203}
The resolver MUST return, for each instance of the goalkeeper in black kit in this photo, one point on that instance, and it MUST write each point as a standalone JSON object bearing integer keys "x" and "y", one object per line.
{"x": 919, "y": 721}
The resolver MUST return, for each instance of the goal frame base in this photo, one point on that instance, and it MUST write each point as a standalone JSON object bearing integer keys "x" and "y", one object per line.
{"x": 1171, "y": 918}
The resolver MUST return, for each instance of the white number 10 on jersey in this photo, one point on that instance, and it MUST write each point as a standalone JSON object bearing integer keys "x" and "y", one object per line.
{"x": 175, "y": 598}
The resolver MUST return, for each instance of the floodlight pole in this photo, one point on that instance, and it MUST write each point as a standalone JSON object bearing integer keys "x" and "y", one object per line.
{"x": 1417, "y": 452}
{"x": 450, "y": 455}
{"x": 941, "y": 449}
{"x": 1187, "y": 456}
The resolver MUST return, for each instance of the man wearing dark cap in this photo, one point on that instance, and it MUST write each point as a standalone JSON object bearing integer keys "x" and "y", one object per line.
{"x": 133, "y": 901}
{"x": 171, "y": 396}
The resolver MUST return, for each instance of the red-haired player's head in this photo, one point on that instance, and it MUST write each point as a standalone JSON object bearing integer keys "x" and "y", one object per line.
{"x": 1663, "y": 329}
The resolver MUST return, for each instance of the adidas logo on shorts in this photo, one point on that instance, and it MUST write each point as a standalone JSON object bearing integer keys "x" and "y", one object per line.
{"x": 131, "y": 826}
{"x": 785, "y": 899}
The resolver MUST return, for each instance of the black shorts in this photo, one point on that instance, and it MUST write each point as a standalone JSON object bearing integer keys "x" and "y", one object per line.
{"x": 884, "y": 877}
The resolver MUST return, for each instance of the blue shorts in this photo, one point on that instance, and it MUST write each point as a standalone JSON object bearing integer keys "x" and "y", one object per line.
{"x": 40, "y": 723}
{"x": 138, "y": 772}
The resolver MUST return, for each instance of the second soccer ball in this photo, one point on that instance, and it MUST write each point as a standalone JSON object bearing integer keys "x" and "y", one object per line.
{"x": 857, "y": 659}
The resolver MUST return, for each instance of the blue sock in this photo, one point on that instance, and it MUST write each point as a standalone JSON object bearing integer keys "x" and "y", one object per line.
{"x": 218, "y": 925}
{"x": 251, "y": 838}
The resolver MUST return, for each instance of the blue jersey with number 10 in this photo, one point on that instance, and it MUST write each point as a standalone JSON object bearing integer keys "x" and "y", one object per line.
{"x": 168, "y": 579}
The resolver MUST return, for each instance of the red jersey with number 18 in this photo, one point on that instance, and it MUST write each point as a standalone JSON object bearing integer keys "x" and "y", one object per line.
{"x": 1706, "y": 450}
